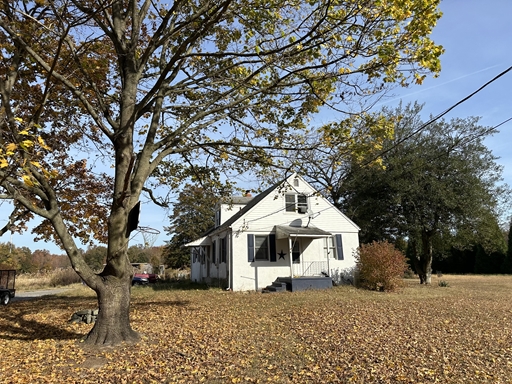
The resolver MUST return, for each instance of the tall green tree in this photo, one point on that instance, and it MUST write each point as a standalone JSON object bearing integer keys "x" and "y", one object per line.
{"x": 507, "y": 263}
{"x": 193, "y": 215}
{"x": 437, "y": 180}
{"x": 133, "y": 85}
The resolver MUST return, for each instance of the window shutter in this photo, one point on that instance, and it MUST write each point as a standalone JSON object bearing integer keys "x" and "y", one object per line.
{"x": 250, "y": 247}
{"x": 272, "y": 240}
{"x": 339, "y": 247}
{"x": 223, "y": 250}
{"x": 214, "y": 251}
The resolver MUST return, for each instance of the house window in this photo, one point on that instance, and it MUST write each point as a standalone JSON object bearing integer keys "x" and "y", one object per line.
{"x": 223, "y": 250}
{"x": 296, "y": 252}
{"x": 261, "y": 247}
{"x": 290, "y": 203}
{"x": 333, "y": 247}
{"x": 296, "y": 203}
{"x": 204, "y": 253}
{"x": 329, "y": 248}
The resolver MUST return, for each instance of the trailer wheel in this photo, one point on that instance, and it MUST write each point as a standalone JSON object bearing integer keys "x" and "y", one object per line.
{"x": 6, "y": 298}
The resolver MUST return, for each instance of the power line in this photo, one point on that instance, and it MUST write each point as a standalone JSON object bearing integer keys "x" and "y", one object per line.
{"x": 432, "y": 120}
{"x": 422, "y": 127}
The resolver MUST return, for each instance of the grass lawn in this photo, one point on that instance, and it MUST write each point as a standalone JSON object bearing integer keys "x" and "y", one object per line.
{"x": 456, "y": 334}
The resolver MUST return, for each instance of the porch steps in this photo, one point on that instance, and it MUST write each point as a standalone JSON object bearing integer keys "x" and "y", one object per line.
{"x": 277, "y": 286}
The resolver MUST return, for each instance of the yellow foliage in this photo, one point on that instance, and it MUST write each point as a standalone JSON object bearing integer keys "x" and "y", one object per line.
{"x": 27, "y": 180}
{"x": 10, "y": 148}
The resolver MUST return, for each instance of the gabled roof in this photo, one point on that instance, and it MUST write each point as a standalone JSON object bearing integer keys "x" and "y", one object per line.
{"x": 243, "y": 200}
{"x": 251, "y": 203}
{"x": 255, "y": 200}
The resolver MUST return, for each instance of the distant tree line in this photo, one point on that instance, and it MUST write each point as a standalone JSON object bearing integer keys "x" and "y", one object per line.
{"x": 95, "y": 256}
{"x": 24, "y": 260}
{"x": 476, "y": 259}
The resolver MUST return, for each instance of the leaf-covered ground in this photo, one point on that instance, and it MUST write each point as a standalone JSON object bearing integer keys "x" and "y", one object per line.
{"x": 456, "y": 334}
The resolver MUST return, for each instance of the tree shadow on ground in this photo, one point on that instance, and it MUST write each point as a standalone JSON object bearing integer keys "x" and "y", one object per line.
{"x": 16, "y": 326}
{"x": 25, "y": 319}
{"x": 182, "y": 285}
{"x": 168, "y": 303}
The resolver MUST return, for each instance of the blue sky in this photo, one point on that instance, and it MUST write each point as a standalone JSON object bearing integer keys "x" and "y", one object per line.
{"x": 477, "y": 38}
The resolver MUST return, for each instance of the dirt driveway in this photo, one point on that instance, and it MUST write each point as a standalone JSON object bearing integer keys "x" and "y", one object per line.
{"x": 29, "y": 295}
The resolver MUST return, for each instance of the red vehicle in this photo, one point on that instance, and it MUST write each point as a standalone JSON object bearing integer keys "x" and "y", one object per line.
{"x": 143, "y": 274}
{"x": 7, "y": 281}
{"x": 144, "y": 278}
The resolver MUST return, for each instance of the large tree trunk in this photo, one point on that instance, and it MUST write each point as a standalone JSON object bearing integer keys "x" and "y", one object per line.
{"x": 425, "y": 263}
{"x": 112, "y": 326}
{"x": 425, "y": 270}
{"x": 112, "y": 287}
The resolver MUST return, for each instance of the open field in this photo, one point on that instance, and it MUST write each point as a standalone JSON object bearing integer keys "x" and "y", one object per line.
{"x": 456, "y": 334}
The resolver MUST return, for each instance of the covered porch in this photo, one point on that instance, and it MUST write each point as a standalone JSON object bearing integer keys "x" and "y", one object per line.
{"x": 308, "y": 248}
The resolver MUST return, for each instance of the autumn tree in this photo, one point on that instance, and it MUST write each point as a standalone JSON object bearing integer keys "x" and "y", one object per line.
{"x": 7, "y": 258}
{"x": 25, "y": 262}
{"x": 89, "y": 86}
{"x": 331, "y": 148}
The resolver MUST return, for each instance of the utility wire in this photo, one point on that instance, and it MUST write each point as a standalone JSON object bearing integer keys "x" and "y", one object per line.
{"x": 418, "y": 130}
{"x": 452, "y": 147}
{"x": 432, "y": 120}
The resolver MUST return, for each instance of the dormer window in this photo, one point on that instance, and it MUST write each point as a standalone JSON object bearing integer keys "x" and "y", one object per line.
{"x": 296, "y": 203}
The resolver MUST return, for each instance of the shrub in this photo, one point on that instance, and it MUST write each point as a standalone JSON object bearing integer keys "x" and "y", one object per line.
{"x": 380, "y": 266}
{"x": 64, "y": 277}
{"x": 31, "y": 281}
{"x": 409, "y": 274}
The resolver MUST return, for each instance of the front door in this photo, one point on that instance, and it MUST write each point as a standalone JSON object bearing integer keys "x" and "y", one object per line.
{"x": 297, "y": 266}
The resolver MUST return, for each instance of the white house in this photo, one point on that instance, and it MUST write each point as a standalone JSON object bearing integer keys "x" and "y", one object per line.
{"x": 289, "y": 230}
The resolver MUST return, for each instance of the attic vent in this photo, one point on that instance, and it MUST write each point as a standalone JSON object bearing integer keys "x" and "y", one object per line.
{"x": 295, "y": 182}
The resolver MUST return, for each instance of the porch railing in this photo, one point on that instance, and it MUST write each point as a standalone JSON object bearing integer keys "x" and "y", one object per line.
{"x": 310, "y": 268}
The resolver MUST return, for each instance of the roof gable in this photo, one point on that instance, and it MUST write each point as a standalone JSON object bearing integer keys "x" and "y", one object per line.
{"x": 286, "y": 184}
{"x": 251, "y": 203}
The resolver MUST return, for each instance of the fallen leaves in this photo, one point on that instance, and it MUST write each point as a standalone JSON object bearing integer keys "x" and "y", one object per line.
{"x": 343, "y": 335}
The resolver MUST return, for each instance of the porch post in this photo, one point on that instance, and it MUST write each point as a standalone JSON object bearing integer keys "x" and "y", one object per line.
{"x": 229, "y": 264}
{"x": 290, "y": 249}
{"x": 326, "y": 242}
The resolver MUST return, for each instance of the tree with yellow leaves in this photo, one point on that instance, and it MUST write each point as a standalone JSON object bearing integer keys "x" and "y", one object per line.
{"x": 160, "y": 89}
